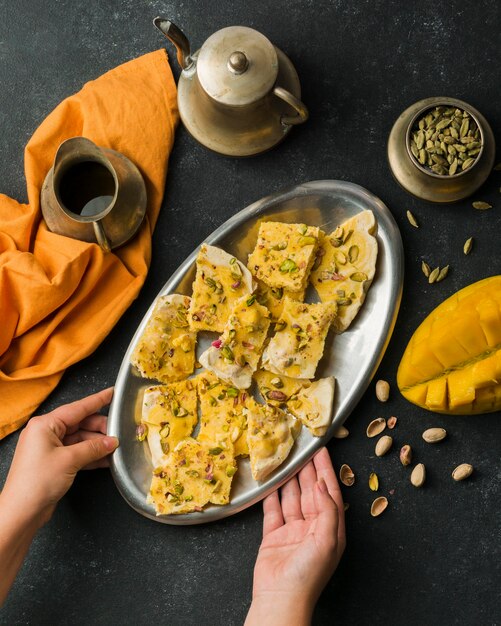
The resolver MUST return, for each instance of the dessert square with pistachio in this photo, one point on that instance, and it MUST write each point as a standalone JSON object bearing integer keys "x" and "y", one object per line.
{"x": 169, "y": 414}
{"x": 347, "y": 266}
{"x": 273, "y": 298}
{"x": 234, "y": 357}
{"x": 222, "y": 414}
{"x": 166, "y": 349}
{"x": 298, "y": 343}
{"x": 270, "y": 436}
{"x": 219, "y": 282}
{"x": 284, "y": 254}
{"x": 198, "y": 473}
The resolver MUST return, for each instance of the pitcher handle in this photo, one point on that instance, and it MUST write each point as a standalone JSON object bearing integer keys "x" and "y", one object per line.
{"x": 295, "y": 103}
{"x": 101, "y": 238}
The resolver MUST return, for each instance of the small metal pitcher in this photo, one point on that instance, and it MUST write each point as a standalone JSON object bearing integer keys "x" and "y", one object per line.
{"x": 93, "y": 194}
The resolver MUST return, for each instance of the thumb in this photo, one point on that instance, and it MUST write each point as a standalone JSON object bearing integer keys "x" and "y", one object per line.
{"x": 85, "y": 452}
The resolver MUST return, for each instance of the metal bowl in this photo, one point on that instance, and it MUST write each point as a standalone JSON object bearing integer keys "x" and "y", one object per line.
{"x": 422, "y": 182}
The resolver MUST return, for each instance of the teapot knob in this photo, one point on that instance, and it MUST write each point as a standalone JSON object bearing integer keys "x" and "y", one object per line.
{"x": 238, "y": 62}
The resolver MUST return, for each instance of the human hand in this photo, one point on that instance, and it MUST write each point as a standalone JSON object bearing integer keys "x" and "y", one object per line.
{"x": 51, "y": 450}
{"x": 303, "y": 541}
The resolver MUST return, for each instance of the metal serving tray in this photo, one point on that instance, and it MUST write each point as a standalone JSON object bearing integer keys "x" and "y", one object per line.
{"x": 351, "y": 357}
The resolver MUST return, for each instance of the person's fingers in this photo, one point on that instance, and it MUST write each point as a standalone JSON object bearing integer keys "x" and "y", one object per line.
{"x": 82, "y": 454}
{"x": 307, "y": 480}
{"x": 75, "y": 412}
{"x": 325, "y": 471}
{"x": 80, "y": 435}
{"x": 273, "y": 517}
{"x": 95, "y": 423}
{"x": 327, "y": 522}
{"x": 290, "y": 497}
{"x": 98, "y": 464}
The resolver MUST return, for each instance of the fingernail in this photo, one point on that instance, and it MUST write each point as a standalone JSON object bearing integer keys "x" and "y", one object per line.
{"x": 110, "y": 443}
{"x": 322, "y": 486}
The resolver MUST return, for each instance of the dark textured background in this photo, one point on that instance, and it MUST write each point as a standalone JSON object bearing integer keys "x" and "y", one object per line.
{"x": 434, "y": 556}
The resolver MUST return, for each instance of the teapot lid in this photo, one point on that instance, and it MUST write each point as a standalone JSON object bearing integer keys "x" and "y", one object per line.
{"x": 237, "y": 66}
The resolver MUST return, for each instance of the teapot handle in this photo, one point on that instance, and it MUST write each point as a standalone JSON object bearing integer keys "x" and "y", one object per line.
{"x": 295, "y": 103}
{"x": 101, "y": 238}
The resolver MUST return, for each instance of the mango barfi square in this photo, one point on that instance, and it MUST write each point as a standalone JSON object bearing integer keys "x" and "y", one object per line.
{"x": 234, "y": 357}
{"x": 169, "y": 415}
{"x": 221, "y": 279}
{"x": 166, "y": 349}
{"x": 346, "y": 267}
{"x": 284, "y": 254}
{"x": 298, "y": 343}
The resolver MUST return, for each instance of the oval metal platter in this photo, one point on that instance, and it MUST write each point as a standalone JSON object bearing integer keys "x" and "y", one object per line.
{"x": 351, "y": 357}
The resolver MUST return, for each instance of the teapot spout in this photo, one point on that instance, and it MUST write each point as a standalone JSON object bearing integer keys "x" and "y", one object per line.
{"x": 178, "y": 38}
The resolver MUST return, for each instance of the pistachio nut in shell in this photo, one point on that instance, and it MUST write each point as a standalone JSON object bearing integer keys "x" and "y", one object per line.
{"x": 406, "y": 455}
{"x": 462, "y": 471}
{"x": 418, "y": 475}
{"x": 434, "y": 435}
{"x": 346, "y": 475}
{"x": 376, "y": 427}
{"x": 341, "y": 433}
{"x": 378, "y": 506}
{"x": 382, "y": 390}
{"x": 383, "y": 445}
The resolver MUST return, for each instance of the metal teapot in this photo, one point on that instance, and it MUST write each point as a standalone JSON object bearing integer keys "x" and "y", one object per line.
{"x": 93, "y": 194}
{"x": 238, "y": 95}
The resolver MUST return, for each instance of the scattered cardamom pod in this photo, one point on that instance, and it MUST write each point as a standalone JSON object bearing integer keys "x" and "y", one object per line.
{"x": 418, "y": 475}
{"x": 425, "y": 268}
{"x": 442, "y": 274}
{"x": 434, "y": 435}
{"x": 462, "y": 471}
{"x": 434, "y": 275}
{"x": 405, "y": 455}
{"x": 382, "y": 390}
{"x": 376, "y": 427}
{"x": 378, "y": 506}
{"x": 341, "y": 433}
{"x": 383, "y": 446}
{"x": 373, "y": 482}
{"x": 412, "y": 220}
{"x": 481, "y": 206}
{"x": 346, "y": 475}
{"x": 391, "y": 422}
{"x": 467, "y": 245}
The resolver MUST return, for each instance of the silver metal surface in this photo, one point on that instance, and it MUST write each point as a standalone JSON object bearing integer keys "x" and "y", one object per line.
{"x": 352, "y": 357}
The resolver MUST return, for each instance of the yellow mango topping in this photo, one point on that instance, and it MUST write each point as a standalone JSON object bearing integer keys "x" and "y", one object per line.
{"x": 284, "y": 254}
{"x": 222, "y": 412}
{"x": 166, "y": 349}
{"x": 452, "y": 363}
{"x": 198, "y": 473}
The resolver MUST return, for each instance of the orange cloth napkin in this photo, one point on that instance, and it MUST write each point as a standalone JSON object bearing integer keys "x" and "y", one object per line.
{"x": 60, "y": 297}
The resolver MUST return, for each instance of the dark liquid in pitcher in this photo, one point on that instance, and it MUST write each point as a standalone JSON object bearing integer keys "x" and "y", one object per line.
{"x": 86, "y": 188}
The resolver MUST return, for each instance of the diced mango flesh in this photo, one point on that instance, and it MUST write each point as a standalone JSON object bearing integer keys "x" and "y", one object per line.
{"x": 452, "y": 363}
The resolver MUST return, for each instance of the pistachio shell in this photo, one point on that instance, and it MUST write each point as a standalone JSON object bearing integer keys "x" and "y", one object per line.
{"x": 406, "y": 455}
{"x": 378, "y": 506}
{"x": 376, "y": 427}
{"x": 391, "y": 422}
{"x": 346, "y": 475}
